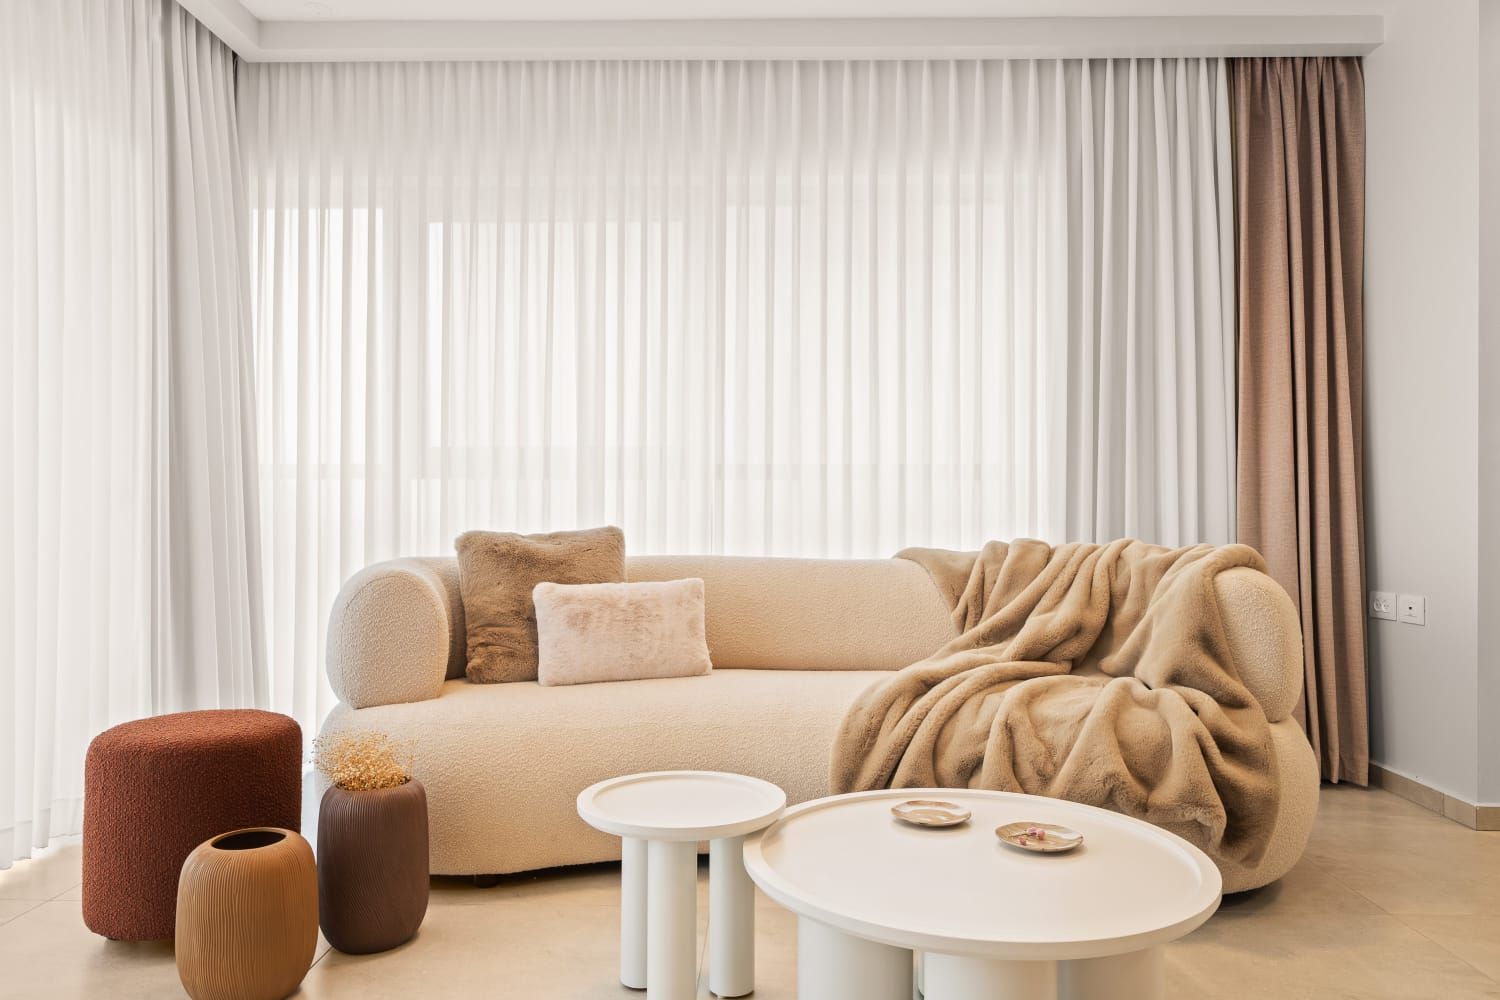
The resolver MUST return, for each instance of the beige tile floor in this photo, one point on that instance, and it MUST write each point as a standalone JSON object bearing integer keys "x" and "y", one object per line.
{"x": 1390, "y": 901}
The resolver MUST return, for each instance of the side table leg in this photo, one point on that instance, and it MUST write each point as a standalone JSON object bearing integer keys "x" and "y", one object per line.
{"x": 832, "y": 965}
{"x": 633, "y": 912}
{"x": 671, "y": 920}
{"x": 960, "y": 977}
{"x": 731, "y": 920}
{"x": 1137, "y": 975}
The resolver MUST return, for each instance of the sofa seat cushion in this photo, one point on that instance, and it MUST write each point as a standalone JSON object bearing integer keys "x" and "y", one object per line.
{"x": 503, "y": 764}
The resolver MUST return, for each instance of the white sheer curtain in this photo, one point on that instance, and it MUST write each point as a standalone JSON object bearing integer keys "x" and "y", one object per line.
{"x": 210, "y": 647}
{"x": 128, "y": 561}
{"x": 801, "y": 308}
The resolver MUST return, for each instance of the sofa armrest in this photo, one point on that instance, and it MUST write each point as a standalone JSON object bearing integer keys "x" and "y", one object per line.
{"x": 1265, "y": 638}
{"x": 389, "y": 635}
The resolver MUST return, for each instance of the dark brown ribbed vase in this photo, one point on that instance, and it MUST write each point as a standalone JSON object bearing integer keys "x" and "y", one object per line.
{"x": 372, "y": 866}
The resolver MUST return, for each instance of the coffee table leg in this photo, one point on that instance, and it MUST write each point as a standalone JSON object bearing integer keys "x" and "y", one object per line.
{"x": 1138, "y": 975}
{"x": 963, "y": 977}
{"x": 633, "y": 912}
{"x": 731, "y": 920}
{"x": 671, "y": 919}
{"x": 832, "y": 965}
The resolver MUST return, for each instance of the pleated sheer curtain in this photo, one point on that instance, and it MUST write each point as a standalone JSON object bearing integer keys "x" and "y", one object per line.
{"x": 129, "y": 580}
{"x": 795, "y": 308}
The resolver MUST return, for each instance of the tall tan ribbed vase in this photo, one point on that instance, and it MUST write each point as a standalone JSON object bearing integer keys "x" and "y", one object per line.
{"x": 372, "y": 866}
{"x": 247, "y": 915}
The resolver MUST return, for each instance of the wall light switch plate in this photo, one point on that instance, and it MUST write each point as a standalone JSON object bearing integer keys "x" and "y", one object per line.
{"x": 1383, "y": 605}
{"x": 1411, "y": 608}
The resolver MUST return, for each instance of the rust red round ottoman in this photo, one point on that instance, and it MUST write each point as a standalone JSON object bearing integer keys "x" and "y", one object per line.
{"x": 154, "y": 789}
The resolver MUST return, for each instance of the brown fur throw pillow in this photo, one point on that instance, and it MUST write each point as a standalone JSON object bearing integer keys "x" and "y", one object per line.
{"x": 496, "y": 574}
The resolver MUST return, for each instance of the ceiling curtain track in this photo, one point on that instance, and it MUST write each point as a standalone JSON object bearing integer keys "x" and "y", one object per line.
{"x": 1300, "y": 168}
{"x": 129, "y": 552}
{"x": 792, "y": 308}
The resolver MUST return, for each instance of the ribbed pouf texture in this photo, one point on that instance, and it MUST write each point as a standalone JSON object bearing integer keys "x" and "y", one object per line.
{"x": 156, "y": 788}
{"x": 247, "y": 916}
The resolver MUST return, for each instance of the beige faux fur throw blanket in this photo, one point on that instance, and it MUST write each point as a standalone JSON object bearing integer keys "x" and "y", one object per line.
{"x": 1097, "y": 673}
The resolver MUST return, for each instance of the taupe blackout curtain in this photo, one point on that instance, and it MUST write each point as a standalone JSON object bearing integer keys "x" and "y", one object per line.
{"x": 1299, "y": 128}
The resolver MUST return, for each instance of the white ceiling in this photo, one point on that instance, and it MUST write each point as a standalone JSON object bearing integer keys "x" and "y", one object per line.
{"x": 620, "y": 10}
{"x": 396, "y": 30}
{"x": 615, "y": 10}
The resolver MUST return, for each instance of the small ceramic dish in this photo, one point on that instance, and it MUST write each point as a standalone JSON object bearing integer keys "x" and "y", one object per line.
{"x": 1043, "y": 838}
{"x": 931, "y": 812}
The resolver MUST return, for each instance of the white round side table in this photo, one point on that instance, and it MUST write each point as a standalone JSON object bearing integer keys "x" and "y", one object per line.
{"x": 661, "y": 817}
{"x": 990, "y": 921}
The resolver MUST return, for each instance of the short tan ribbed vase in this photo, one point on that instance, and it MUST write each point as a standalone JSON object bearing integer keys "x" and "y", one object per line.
{"x": 247, "y": 915}
{"x": 372, "y": 866}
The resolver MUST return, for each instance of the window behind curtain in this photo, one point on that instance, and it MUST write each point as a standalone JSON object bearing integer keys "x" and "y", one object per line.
{"x": 792, "y": 308}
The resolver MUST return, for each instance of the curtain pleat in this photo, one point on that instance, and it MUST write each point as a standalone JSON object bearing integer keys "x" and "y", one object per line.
{"x": 1299, "y": 169}
{"x": 797, "y": 308}
{"x": 128, "y": 541}
{"x": 208, "y": 581}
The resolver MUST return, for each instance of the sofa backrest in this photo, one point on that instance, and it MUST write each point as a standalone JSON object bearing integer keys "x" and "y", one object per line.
{"x": 396, "y": 628}
{"x": 796, "y": 614}
{"x": 811, "y": 614}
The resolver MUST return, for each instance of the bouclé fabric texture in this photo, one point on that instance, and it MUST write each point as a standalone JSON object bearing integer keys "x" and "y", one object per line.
{"x": 620, "y": 631}
{"x": 156, "y": 788}
{"x": 776, "y": 724}
{"x": 497, "y": 572}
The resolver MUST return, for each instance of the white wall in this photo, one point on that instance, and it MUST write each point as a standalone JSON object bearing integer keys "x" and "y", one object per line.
{"x": 1489, "y": 401}
{"x": 1422, "y": 390}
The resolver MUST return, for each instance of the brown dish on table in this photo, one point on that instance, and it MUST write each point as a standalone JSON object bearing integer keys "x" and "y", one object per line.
{"x": 1042, "y": 838}
{"x": 930, "y": 812}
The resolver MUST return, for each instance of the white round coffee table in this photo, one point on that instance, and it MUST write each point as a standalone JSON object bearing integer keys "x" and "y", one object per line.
{"x": 990, "y": 920}
{"x": 661, "y": 817}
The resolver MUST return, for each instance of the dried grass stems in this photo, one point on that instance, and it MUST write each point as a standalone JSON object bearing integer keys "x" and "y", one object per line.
{"x": 363, "y": 761}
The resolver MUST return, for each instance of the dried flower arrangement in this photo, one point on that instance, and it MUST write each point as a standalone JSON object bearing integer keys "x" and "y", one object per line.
{"x": 363, "y": 761}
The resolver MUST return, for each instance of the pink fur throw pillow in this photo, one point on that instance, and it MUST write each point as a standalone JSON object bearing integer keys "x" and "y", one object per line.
{"x": 619, "y": 631}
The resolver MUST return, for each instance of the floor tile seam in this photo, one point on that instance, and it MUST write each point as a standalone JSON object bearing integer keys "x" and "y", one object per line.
{"x": 1428, "y": 937}
{"x": 35, "y": 904}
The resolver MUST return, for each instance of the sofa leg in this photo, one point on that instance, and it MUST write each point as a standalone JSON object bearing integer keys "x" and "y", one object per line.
{"x": 485, "y": 881}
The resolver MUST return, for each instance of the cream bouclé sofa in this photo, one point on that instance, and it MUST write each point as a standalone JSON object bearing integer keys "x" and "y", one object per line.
{"x": 793, "y": 641}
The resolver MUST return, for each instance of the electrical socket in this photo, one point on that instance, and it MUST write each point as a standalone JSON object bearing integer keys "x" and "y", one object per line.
{"x": 1383, "y": 605}
{"x": 1411, "y": 608}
